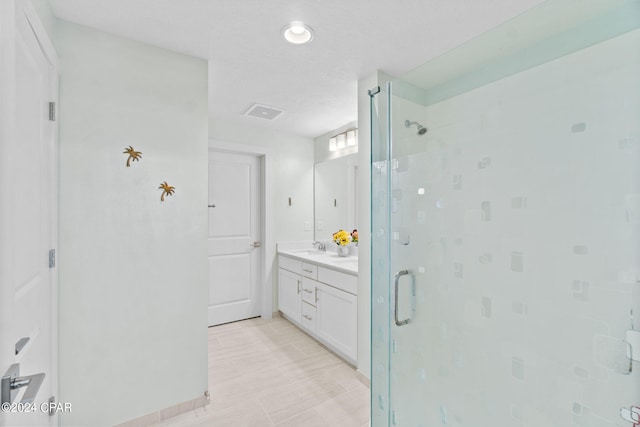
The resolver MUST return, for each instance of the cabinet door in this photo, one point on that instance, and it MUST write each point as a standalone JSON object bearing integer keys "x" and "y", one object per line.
{"x": 337, "y": 320}
{"x": 289, "y": 298}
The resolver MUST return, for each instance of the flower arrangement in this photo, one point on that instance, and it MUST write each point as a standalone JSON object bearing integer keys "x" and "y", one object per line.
{"x": 343, "y": 238}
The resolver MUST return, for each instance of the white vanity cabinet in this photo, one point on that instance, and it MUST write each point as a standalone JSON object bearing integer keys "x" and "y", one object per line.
{"x": 289, "y": 298}
{"x": 337, "y": 320}
{"x": 290, "y": 287}
{"x": 322, "y": 301}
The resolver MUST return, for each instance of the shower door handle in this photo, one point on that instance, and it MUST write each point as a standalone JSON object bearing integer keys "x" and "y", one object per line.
{"x": 398, "y": 275}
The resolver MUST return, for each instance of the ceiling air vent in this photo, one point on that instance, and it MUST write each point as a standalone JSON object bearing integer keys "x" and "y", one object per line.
{"x": 263, "y": 112}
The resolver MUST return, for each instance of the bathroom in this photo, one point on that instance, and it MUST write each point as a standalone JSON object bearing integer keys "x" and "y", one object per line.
{"x": 464, "y": 155}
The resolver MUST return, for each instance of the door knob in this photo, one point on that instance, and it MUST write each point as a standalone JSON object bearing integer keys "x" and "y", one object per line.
{"x": 11, "y": 382}
{"x": 256, "y": 244}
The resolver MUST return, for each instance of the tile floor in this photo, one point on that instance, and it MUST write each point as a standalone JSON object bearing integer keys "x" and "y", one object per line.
{"x": 270, "y": 373}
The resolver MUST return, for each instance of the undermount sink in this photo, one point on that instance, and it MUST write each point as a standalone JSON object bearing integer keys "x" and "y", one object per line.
{"x": 334, "y": 256}
{"x": 308, "y": 252}
{"x": 328, "y": 257}
{"x": 341, "y": 259}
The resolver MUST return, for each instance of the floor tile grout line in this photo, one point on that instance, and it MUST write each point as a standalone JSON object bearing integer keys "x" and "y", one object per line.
{"x": 312, "y": 367}
{"x": 265, "y": 411}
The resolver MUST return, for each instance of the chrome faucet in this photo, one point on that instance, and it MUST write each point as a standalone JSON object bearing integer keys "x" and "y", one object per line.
{"x": 321, "y": 246}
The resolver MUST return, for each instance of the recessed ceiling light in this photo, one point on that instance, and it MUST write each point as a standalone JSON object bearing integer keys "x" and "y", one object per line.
{"x": 297, "y": 32}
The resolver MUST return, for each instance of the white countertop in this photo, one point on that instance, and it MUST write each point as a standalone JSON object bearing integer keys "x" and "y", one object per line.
{"x": 304, "y": 251}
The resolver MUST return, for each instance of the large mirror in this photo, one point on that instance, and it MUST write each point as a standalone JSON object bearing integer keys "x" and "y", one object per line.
{"x": 335, "y": 196}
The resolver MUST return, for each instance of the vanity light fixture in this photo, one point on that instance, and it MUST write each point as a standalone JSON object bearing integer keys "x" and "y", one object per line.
{"x": 333, "y": 144}
{"x": 351, "y": 137}
{"x": 342, "y": 140}
{"x": 297, "y": 32}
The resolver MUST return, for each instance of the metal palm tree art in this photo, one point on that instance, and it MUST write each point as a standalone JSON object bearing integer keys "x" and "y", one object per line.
{"x": 133, "y": 155}
{"x": 167, "y": 190}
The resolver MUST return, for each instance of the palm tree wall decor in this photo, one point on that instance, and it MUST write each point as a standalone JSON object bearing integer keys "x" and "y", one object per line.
{"x": 133, "y": 155}
{"x": 167, "y": 190}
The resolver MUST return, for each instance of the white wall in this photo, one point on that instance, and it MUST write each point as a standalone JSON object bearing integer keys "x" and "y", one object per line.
{"x": 292, "y": 177}
{"x": 133, "y": 270}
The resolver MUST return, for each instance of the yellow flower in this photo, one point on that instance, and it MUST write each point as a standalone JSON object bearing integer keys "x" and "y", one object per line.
{"x": 342, "y": 238}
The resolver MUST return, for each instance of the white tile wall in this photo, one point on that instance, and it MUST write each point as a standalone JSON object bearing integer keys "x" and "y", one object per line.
{"x": 519, "y": 215}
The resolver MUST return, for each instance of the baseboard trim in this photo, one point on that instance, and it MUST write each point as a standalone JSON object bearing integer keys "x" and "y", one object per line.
{"x": 363, "y": 378}
{"x": 170, "y": 412}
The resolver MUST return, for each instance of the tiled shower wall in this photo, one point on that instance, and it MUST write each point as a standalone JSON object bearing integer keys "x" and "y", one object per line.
{"x": 518, "y": 214}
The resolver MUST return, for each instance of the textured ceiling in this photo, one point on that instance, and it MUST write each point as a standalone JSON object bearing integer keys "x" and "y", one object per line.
{"x": 315, "y": 83}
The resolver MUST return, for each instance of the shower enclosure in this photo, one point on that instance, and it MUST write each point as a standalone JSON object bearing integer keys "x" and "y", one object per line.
{"x": 506, "y": 235}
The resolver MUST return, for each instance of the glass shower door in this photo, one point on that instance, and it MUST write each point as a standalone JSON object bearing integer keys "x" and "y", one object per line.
{"x": 506, "y": 237}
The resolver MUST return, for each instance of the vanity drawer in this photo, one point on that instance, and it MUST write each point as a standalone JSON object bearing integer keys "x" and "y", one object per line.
{"x": 290, "y": 264}
{"x": 310, "y": 270}
{"x": 308, "y": 291}
{"x": 309, "y": 317}
{"x": 343, "y": 281}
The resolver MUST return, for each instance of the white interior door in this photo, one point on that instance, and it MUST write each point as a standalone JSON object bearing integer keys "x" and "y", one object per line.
{"x": 29, "y": 285}
{"x": 234, "y": 237}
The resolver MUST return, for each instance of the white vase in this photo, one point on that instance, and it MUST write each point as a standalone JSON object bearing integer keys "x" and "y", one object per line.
{"x": 343, "y": 250}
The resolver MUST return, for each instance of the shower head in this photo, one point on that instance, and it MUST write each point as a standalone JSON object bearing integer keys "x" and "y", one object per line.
{"x": 421, "y": 129}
